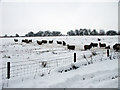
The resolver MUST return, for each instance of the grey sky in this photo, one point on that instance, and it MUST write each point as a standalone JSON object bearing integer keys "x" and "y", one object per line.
{"x": 22, "y": 17}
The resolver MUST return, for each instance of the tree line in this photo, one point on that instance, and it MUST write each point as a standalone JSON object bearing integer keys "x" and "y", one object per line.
{"x": 76, "y": 32}
{"x": 44, "y": 33}
{"x": 82, "y": 32}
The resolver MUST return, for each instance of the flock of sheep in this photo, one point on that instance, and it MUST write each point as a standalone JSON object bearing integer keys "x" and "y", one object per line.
{"x": 116, "y": 47}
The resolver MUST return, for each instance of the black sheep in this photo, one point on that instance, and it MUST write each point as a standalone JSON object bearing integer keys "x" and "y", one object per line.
{"x": 107, "y": 47}
{"x": 44, "y": 41}
{"x": 26, "y": 41}
{"x": 64, "y": 43}
{"x": 87, "y": 47}
{"x": 39, "y": 42}
{"x": 51, "y": 41}
{"x": 94, "y": 44}
{"x": 30, "y": 40}
{"x": 99, "y": 39}
{"x": 59, "y": 42}
{"x": 16, "y": 40}
{"x": 102, "y": 45}
{"x": 23, "y": 40}
{"x": 116, "y": 47}
{"x": 71, "y": 47}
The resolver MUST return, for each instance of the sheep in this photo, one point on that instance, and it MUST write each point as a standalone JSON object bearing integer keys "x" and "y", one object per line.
{"x": 116, "y": 47}
{"x": 59, "y": 42}
{"x": 71, "y": 47}
{"x": 107, "y": 47}
{"x": 44, "y": 41}
{"x": 51, "y": 41}
{"x": 30, "y": 40}
{"x": 64, "y": 43}
{"x": 102, "y": 45}
{"x": 87, "y": 47}
{"x": 94, "y": 44}
{"x": 16, "y": 40}
{"x": 99, "y": 39}
{"x": 23, "y": 40}
{"x": 26, "y": 40}
{"x": 39, "y": 42}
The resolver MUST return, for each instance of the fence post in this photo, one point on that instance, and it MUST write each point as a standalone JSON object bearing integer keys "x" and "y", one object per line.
{"x": 107, "y": 52}
{"x": 8, "y": 70}
{"x": 74, "y": 57}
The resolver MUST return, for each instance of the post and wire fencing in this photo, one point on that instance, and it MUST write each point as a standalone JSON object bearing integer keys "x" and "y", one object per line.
{"x": 24, "y": 68}
{"x": 15, "y": 69}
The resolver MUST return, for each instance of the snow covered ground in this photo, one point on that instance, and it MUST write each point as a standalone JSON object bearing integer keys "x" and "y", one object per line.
{"x": 27, "y": 70}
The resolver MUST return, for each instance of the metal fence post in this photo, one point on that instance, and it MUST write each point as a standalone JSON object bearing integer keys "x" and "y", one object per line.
{"x": 8, "y": 70}
{"x": 107, "y": 52}
{"x": 74, "y": 57}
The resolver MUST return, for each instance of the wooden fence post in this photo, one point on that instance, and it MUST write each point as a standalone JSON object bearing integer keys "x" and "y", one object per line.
{"x": 8, "y": 70}
{"x": 74, "y": 57}
{"x": 107, "y": 52}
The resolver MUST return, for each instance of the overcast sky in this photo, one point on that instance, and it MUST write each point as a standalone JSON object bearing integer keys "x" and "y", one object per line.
{"x": 22, "y": 16}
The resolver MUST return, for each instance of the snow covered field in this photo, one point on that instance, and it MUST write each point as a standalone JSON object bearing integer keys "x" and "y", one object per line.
{"x": 27, "y": 70}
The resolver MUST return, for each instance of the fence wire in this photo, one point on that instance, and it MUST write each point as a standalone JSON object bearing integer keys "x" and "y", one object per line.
{"x": 33, "y": 67}
{"x": 41, "y": 66}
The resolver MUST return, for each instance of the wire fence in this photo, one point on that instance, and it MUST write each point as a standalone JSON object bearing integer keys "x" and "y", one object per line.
{"x": 22, "y": 70}
{"x": 40, "y": 66}
{"x": 34, "y": 67}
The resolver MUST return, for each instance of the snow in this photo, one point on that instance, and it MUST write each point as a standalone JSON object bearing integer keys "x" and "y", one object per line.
{"x": 28, "y": 71}
{"x": 97, "y": 77}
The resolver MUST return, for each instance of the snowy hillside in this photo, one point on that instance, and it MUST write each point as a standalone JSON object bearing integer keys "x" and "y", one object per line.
{"x": 53, "y": 66}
